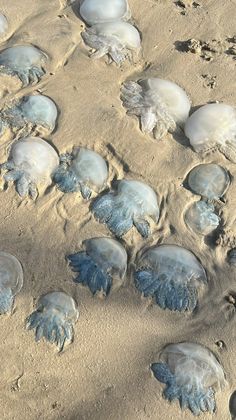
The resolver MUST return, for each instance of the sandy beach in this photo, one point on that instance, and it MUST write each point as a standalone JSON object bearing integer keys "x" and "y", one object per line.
{"x": 105, "y": 373}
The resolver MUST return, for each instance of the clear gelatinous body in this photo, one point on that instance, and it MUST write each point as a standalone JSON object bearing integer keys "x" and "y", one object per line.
{"x": 160, "y": 104}
{"x": 24, "y": 61}
{"x": 101, "y": 266}
{"x": 100, "y": 11}
{"x": 192, "y": 375}
{"x": 3, "y": 25}
{"x": 32, "y": 161}
{"x": 201, "y": 218}
{"x": 84, "y": 170}
{"x": 131, "y": 204}
{"x": 117, "y": 39}
{"x": 11, "y": 281}
{"x": 32, "y": 112}
{"x": 54, "y": 318}
{"x": 209, "y": 180}
{"x": 232, "y": 257}
{"x": 213, "y": 126}
{"x": 172, "y": 275}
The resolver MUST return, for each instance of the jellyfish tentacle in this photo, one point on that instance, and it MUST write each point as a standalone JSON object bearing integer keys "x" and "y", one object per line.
{"x": 22, "y": 185}
{"x": 142, "y": 227}
{"x": 6, "y": 300}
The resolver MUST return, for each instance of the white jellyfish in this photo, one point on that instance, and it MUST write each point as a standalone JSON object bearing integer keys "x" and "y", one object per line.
{"x": 32, "y": 162}
{"x": 192, "y": 375}
{"x": 161, "y": 105}
{"x": 172, "y": 275}
{"x": 83, "y": 170}
{"x": 117, "y": 39}
{"x": 24, "y": 61}
{"x": 31, "y": 113}
{"x": 53, "y": 319}
{"x": 101, "y": 11}
{"x": 11, "y": 281}
{"x": 213, "y": 126}
{"x": 101, "y": 266}
{"x": 201, "y": 217}
{"x": 132, "y": 203}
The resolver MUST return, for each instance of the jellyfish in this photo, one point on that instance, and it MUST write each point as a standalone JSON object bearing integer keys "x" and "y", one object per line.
{"x": 101, "y": 11}
{"x": 3, "y": 25}
{"x": 161, "y": 105}
{"x": 32, "y": 112}
{"x": 101, "y": 266}
{"x": 83, "y": 170}
{"x": 201, "y": 217}
{"x": 130, "y": 204}
{"x": 32, "y": 161}
{"x": 24, "y": 61}
{"x": 192, "y": 375}
{"x": 53, "y": 319}
{"x": 117, "y": 39}
{"x": 213, "y": 127}
{"x": 209, "y": 180}
{"x": 172, "y": 275}
{"x": 11, "y": 281}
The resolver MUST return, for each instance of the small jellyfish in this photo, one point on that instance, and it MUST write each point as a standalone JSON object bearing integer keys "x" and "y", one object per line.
{"x": 32, "y": 112}
{"x": 201, "y": 218}
{"x": 213, "y": 126}
{"x": 23, "y": 61}
{"x": 53, "y": 319}
{"x": 83, "y": 170}
{"x": 232, "y": 257}
{"x": 117, "y": 39}
{"x": 161, "y": 105}
{"x": 101, "y": 11}
{"x": 11, "y": 281}
{"x": 232, "y": 405}
{"x": 131, "y": 203}
{"x": 101, "y": 266}
{"x": 32, "y": 161}
{"x": 172, "y": 275}
{"x": 192, "y": 375}
{"x": 3, "y": 25}
{"x": 209, "y": 180}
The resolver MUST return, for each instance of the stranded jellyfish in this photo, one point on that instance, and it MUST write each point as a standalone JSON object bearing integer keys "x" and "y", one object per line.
{"x": 192, "y": 375}
{"x": 101, "y": 266}
{"x": 172, "y": 275}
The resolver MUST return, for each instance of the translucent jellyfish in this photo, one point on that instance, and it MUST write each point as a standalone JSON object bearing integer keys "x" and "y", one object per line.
{"x": 209, "y": 180}
{"x": 232, "y": 257}
{"x": 192, "y": 375}
{"x": 3, "y": 25}
{"x": 161, "y": 105}
{"x": 232, "y": 405}
{"x": 131, "y": 204}
{"x": 23, "y": 61}
{"x": 213, "y": 126}
{"x": 101, "y": 266}
{"x": 32, "y": 162}
{"x": 83, "y": 170}
{"x": 117, "y": 39}
{"x": 11, "y": 281}
{"x": 53, "y": 319}
{"x": 201, "y": 218}
{"x": 101, "y": 11}
{"x": 33, "y": 112}
{"x": 172, "y": 275}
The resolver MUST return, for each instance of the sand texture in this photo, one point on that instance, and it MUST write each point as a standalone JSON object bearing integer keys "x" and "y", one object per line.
{"x": 105, "y": 374}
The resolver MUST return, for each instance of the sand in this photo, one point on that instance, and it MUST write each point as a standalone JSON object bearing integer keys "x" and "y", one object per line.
{"x": 105, "y": 374}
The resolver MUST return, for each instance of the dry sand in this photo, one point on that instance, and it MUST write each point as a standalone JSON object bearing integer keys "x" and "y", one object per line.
{"x": 105, "y": 373}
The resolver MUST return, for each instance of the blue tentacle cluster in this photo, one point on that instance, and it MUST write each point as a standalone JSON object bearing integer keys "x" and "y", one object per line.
{"x": 90, "y": 274}
{"x": 117, "y": 216}
{"x": 197, "y": 399}
{"x": 168, "y": 293}
{"x": 68, "y": 182}
{"x": 53, "y": 327}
